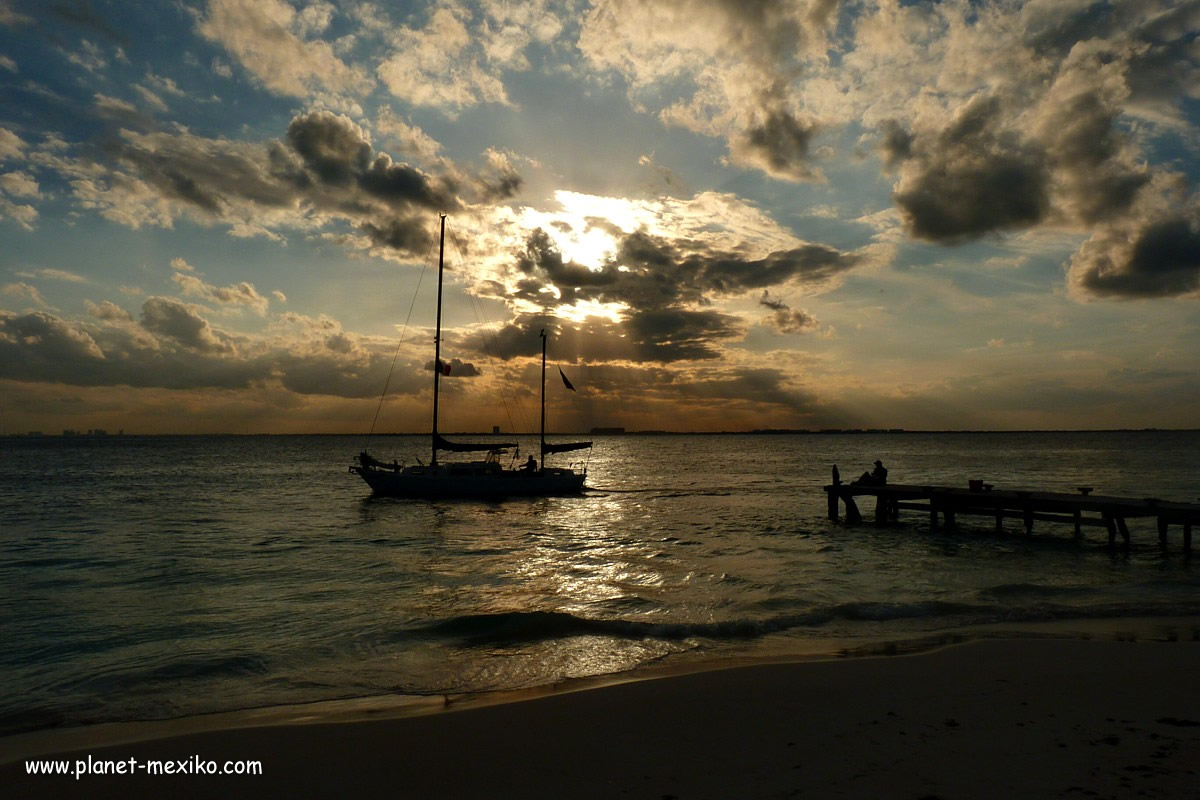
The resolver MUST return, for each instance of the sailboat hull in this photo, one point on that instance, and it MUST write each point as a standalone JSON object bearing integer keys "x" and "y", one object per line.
{"x": 454, "y": 481}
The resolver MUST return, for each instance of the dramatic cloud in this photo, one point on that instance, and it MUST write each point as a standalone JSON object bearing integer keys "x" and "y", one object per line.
{"x": 778, "y": 145}
{"x": 675, "y": 190}
{"x": 1161, "y": 259}
{"x": 325, "y": 172}
{"x": 973, "y": 177}
{"x": 338, "y": 152}
{"x": 653, "y": 272}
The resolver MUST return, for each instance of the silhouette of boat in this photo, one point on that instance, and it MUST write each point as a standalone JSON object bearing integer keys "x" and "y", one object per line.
{"x": 485, "y": 478}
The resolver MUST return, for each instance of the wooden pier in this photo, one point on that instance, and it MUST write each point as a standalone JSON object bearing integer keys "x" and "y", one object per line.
{"x": 946, "y": 504}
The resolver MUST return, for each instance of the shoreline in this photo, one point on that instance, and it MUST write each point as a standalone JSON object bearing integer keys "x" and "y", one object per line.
{"x": 1042, "y": 716}
{"x": 17, "y": 746}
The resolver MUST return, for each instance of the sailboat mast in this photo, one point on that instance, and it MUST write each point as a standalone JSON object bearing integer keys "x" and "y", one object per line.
{"x": 437, "y": 342}
{"x": 543, "y": 451}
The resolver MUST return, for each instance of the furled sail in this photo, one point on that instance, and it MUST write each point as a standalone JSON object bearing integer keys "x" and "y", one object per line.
{"x": 565, "y": 447}
{"x": 440, "y": 443}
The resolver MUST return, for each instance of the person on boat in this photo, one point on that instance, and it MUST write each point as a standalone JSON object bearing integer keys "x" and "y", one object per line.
{"x": 530, "y": 464}
{"x": 876, "y": 477}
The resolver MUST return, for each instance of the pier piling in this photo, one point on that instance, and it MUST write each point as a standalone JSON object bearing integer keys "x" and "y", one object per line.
{"x": 944, "y": 504}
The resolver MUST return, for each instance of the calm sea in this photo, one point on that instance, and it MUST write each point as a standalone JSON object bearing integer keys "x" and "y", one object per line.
{"x": 153, "y": 577}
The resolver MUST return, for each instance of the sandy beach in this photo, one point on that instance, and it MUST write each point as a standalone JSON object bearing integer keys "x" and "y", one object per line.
{"x": 986, "y": 719}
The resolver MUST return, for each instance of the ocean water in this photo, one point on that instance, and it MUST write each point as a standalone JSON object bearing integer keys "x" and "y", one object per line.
{"x": 155, "y": 577}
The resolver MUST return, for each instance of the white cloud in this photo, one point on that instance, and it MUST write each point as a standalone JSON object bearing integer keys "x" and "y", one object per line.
{"x": 11, "y": 145}
{"x": 11, "y": 17}
{"x": 112, "y": 106}
{"x": 88, "y": 56}
{"x": 271, "y": 41}
{"x": 24, "y": 215}
{"x": 238, "y": 294}
{"x": 24, "y": 290}
{"x": 150, "y": 98}
{"x": 411, "y": 139}
{"x": 54, "y": 275}
{"x": 448, "y": 65}
{"x": 19, "y": 184}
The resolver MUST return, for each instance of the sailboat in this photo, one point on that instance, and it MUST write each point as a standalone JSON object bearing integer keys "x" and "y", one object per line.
{"x": 485, "y": 478}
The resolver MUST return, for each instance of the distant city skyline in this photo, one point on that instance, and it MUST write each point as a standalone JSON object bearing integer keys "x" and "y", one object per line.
{"x": 216, "y": 216}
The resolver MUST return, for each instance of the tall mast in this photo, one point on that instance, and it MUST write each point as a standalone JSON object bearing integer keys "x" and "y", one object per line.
{"x": 543, "y": 452}
{"x": 437, "y": 342}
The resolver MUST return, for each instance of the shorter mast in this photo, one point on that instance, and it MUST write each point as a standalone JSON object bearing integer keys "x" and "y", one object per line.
{"x": 437, "y": 343}
{"x": 543, "y": 448}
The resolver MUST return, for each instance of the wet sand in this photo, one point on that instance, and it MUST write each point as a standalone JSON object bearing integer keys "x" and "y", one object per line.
{"x": 987, "y": 719}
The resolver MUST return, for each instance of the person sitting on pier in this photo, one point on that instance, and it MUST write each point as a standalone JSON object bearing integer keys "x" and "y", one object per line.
{"x": 876, "y": 477}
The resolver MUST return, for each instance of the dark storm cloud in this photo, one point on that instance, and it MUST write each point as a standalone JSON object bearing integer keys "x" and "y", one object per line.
{"x": 407, "y": 235}
{"x": 331, "y": 145}
{"x": 897, "y": 144}
{"x": 209, "y": 174}
{"x": 1163, "y": 261}
{"x": 541, "y": 259}
{"x": 1004, "y": 163}
{"x": 974, "y": 178}
{"x": 651, "y": 272}
{"x": 324, "y": 163}
{"x": 1087, "y": 150}
{"x": 402, "y": 183}
{"x": 337, "y": 151}
{"x": 778, "y": 145}
{"x": 785, "y": 319}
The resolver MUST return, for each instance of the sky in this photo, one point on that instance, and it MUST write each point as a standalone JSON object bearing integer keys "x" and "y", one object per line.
{"x": 222, "y": 216}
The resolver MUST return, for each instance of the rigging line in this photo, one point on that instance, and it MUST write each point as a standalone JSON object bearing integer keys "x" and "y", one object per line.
{"x": 482, "y": 317}
{"x": 403, "y": 332}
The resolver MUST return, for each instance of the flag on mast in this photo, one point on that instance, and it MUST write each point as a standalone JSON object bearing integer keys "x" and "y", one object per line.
{"x": 566, "y": 382}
